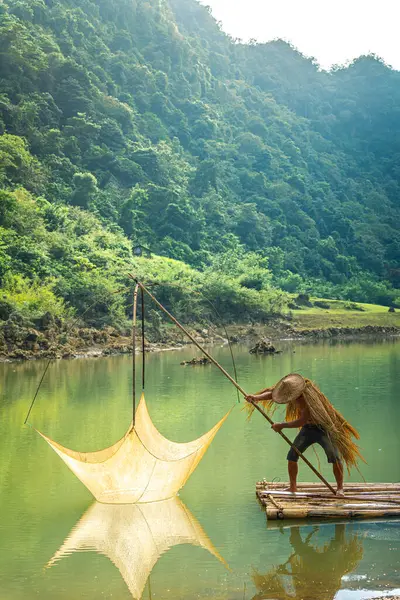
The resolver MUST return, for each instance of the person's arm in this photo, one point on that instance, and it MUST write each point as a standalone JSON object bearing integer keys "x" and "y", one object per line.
{"x": 257, "y": 397}
{"x": 302, "y": 420}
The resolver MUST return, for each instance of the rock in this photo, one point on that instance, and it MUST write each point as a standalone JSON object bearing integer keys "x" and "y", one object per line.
{"x": 101, "y": 337}
{"x": 197, "y": 361}
{"x": 19, "y": 355}
{"x": 13, "y": 333}
{"x": 391, "y": 309}
{"x": 32, "y": 335}
{"x": 293, "y": 306}
{"x": 46, "y": 321}
{"x": 264, "y": 346}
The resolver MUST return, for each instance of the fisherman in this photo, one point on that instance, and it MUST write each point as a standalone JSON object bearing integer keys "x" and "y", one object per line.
{"x": 320, "y": 423}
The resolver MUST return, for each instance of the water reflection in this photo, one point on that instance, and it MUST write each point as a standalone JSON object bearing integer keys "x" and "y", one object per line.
{"x": 134, "y": 537}
{"x": 311, "y": 572}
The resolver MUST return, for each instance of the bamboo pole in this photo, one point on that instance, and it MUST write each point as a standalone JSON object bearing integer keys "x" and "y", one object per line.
{"x": 329, "y": 513}
{"x": 316, "y": 485}
{"x": 315, "y": 495}
{"x": 135, "y": 293}
{"x": 241, "y": 390}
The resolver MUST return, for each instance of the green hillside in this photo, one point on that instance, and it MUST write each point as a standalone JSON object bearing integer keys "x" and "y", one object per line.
{"x": 141, "y": 122}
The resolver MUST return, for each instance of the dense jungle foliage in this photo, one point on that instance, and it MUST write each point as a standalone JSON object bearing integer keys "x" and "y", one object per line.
{"x": 246, "y": 170}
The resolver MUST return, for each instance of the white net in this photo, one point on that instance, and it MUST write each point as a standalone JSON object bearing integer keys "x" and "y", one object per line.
{"x": 143, "y": 466}
{"x": 134, "y": 537}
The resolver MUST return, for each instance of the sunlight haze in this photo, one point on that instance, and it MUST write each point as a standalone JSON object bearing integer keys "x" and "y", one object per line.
{"x": 332, "y": 32}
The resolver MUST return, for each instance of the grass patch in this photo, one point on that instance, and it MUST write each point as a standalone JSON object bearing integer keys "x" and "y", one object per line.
{"x": 339, "y": 315}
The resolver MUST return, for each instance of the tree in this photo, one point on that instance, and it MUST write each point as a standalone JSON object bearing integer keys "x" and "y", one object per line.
{"x": 85, "y": 189}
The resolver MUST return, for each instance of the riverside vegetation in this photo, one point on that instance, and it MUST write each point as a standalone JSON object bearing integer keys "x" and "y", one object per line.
{"x": 249, "y": 173}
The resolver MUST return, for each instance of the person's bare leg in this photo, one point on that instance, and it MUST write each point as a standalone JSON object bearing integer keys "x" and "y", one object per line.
{"x": 293, "y": 469}
{"x": 338, "y": 473}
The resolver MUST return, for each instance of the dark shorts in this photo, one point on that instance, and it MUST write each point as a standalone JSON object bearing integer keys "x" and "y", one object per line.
{"x": 313, "y": 434}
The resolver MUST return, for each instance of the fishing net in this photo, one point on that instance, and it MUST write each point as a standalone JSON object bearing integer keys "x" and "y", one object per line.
{"x": 143, "y": 466}
{"x": 134, "y": 537}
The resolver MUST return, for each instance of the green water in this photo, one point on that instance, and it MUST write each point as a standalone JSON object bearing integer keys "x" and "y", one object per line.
{"x": 85, "y": 404}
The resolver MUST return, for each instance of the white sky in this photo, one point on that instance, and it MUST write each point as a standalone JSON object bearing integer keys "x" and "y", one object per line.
{"x": 333, "y": 31}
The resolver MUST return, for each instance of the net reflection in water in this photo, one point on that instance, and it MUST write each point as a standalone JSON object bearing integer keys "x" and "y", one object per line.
{"x": 134, "y": 537}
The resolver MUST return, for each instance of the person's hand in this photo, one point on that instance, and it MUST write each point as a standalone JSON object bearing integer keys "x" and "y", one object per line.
{"x": 278, "y": 427}
{"x": 250, "y": 398}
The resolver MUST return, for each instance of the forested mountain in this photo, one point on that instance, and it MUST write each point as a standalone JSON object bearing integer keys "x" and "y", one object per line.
{"x": 130, "y": 122}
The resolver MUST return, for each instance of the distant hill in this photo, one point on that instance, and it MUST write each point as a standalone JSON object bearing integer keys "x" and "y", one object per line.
{"x": 131, "y": 122}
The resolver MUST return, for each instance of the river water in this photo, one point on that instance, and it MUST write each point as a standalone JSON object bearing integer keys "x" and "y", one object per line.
{"x": 219, "y": 545}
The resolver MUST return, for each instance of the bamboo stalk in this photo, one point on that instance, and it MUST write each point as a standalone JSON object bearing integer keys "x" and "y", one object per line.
{"x": 314, "y": 495}
{"x": 241, "y": 390}
{"x": 316, "y": 485}
{"x": 303, "y": 513}
{"x": 349, "y": 484}
{"x": 135, "y": 294}
{"x": 272, "y": 500}
{"x": 359, "y": 488}
{"x": 287, "y": 509}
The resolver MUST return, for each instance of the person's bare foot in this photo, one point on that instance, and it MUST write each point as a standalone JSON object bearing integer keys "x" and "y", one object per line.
{"x": 340, "y": 492}
{"x": 291, "y": 489}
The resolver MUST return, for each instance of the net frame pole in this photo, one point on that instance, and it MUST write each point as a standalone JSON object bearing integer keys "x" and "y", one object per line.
{"x": 134, "y": 314}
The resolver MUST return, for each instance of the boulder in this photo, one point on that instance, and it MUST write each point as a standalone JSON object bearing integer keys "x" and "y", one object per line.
{"x": 264, "y": 346}
{"x": 197, "y": 361}
{"x": 13, "y": 333}
{"x": 32, "y": 335}
{"x": 46, "y": 321}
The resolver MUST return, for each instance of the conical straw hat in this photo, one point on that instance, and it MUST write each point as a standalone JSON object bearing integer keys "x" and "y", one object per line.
{"x": 288, "y": 388}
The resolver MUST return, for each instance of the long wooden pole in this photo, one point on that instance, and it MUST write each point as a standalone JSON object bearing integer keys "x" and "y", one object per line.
{"x": 241, "y": 390}
{"x": 304, "y": 495}
{"x": 135, "y": 294}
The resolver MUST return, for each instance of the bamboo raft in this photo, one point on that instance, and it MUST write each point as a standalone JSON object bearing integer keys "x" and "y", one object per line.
{"x": 314, "y": 501}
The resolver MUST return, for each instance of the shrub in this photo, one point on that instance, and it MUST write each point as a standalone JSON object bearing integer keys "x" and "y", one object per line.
{"x": 322, "y": 304}
{"x": 6, "y": 308}
{"x": 303, "y": 300}
{"x": 31, "y": 298}
{"x": 353, "y": 306}
{"x": 252, "y": 282}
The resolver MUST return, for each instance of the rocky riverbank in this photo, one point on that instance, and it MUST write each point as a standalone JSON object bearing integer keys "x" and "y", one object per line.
{"x": 52, "y": 338}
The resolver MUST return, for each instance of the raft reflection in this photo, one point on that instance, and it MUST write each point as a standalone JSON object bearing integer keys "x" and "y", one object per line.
{"x": 311, "y": 573}
{"x": 134, "y": 537}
